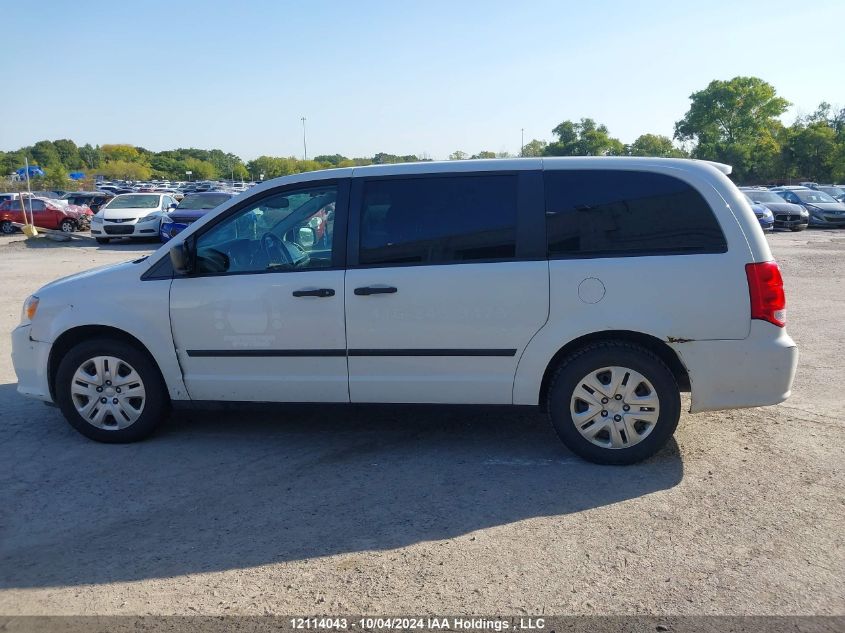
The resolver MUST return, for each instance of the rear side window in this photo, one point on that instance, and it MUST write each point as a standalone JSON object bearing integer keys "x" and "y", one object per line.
{"x": 438, "y": 220}
{"x": 595, "y": 213}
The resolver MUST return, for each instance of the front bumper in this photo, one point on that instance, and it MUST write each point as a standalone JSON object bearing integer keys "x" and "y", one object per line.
{"x": 733, "y": 374}
{"x": 826, "y": 219}
{"x": 30, "y": 359}
{"x": 150, "y": 228}
{"x": 790, "y": 220}
{"x": 171, "y": 229}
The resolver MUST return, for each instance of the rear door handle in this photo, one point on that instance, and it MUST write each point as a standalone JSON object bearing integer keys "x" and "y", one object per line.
{"x": 319, "y": 292}
{"x": 375, "y": 290}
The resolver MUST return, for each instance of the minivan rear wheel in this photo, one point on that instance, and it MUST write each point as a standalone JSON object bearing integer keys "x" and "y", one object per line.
{"x": 110, "y": 391}
{"x": 614, "y": 403}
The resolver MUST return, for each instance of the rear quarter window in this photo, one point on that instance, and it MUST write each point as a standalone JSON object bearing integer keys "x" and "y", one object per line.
{"x": 605, "y": 213}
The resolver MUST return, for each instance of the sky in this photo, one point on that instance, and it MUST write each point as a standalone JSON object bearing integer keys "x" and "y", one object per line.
{"x": 424, "y": 77}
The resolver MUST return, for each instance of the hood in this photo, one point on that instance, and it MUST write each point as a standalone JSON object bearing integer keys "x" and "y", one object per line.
{"x": 784, "y": 207}
{"x": 126, "y": 214}
{"x": 187, "y": 214}
{"x": 94, "y": 272}
{"x": 75, "y": 211}
{"x": 827, "y": 206}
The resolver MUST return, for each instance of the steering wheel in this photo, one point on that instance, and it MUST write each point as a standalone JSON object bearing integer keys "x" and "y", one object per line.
{"x": 275, "y": 250}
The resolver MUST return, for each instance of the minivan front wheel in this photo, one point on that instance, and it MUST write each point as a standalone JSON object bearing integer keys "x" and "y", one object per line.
{"x": 110, "y": 391}
{"x": 614, "y": 403}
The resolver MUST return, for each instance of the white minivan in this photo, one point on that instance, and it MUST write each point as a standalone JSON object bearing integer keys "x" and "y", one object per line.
{"x": 595, "y": 288}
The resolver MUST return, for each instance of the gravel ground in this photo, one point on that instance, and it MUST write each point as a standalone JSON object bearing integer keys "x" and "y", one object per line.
{"x": 387, "y": 510}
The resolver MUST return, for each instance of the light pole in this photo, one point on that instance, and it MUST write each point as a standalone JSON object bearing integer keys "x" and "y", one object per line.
{"x": 304, "y": 145}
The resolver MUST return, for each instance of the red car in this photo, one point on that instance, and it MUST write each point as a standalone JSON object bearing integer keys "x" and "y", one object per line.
{"x": 46, "y": 213}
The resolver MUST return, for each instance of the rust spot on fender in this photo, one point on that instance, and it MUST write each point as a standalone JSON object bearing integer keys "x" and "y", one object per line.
{"x": 678, "y": 339}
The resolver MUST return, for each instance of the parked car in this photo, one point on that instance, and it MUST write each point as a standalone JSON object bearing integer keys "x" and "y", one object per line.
{"x": 46, "y": 213}
{"x": 837, "y": 193}
{"x": 823, "y": 209}
{"x": 92, "y": 199}
{"x": 787, "y": 215}
{"x": 134, "y": 215}
{"x": 595, "y": 288}
{"x": 763, "y": 214}
{"x": 190, "y": 209}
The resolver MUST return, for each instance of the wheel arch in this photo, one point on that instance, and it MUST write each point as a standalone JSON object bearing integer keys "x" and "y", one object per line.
{"x": 72, "y": 337}
{"x": 660, "y": 348}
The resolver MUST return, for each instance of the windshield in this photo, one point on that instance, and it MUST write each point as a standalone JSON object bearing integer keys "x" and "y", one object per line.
{"x": 762, "y": 197}
{"x": 203, "y": 201}
{"x": 131, "y": 201}
{"x": 813, "y": 196}
{"x": 832, "y": 191}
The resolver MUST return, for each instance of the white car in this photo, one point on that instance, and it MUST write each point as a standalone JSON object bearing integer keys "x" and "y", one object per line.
{"x": 595, "y": 288}
{"x": 135, "y": 215}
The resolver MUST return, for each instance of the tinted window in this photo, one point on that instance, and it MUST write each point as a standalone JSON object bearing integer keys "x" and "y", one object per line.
{"x": 438, "y": 220}
{"x": 595, "y": 213}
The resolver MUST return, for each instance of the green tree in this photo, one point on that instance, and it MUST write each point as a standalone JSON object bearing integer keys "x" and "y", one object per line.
{"x": 654, "y": 145}
{"x": 91, "y": 156}
{"x": 727, "y": 121}
{"x": 585, "y": 138}
{"x": 813, "y": 150}
{"x": 458, "y": 155}
{"x": 201, "y": 169}
{"x": 534, "y": 148}
{"x": 55, "y": 177}
{"x": 68, "y": 153}
{"x": 44, "y": 154}
{"x": 483, "y": 154}
{"x": 124, "y": 169}
{"x": 121, "y": 152}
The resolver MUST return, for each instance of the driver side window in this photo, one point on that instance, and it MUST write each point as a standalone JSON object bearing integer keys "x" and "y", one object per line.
{"x": 287, "y": 231}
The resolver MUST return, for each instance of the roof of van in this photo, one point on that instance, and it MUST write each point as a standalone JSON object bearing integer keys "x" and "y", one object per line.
{"x": 517, "y": 164}
{"x": 499, "y": 164}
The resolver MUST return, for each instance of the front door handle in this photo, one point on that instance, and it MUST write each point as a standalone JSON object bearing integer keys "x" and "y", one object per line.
{"x": 319, "y": 292}
{"x": 375, "y": 290}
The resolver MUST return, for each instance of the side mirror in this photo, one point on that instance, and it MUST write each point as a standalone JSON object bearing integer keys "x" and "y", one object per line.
{"x": 181, "y": 258}
{"x": 306, "y": 237}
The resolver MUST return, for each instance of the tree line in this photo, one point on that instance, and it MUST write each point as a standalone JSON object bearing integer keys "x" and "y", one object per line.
{"x": 736, "y": 121}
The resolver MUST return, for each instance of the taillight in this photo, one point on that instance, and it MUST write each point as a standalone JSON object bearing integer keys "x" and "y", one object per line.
{"x": 765, "y": 288}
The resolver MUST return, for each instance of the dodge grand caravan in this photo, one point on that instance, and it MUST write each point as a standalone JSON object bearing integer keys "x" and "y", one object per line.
{"x": 595, "y": 288}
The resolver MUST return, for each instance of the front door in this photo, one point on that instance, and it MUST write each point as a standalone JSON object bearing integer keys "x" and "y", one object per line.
{"x": 262, "y": 319}
{"x": 447, "y": 284}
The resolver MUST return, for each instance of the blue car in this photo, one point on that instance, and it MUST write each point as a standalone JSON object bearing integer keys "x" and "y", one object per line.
{"x": 764, "y": 215}
{"x": 191, "y": 209}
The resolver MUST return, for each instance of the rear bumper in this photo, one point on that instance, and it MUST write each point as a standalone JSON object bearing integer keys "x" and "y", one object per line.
{"x": 30, "y": 360}
{"x": 753, "y": 372}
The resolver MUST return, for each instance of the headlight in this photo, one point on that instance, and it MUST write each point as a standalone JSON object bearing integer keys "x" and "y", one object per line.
{"x": 151, "y": 216}
{"x": 30, "y": 307}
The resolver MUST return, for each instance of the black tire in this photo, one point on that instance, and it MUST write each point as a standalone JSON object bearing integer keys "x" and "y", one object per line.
{"x": 102, "y": 240}
{"x": 67, "y": 226}
{"x": 604, "y": 354}
{"x": 6, "y": 227}
{"x": 156, "y": 405}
